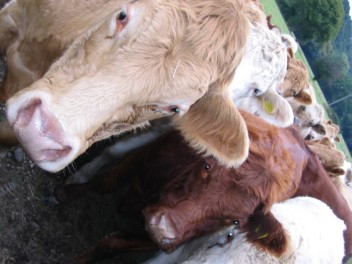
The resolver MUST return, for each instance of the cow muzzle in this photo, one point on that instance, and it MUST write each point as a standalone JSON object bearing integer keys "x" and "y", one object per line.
{"x": 41, "y": 134}
{"x": 161, "y": 228}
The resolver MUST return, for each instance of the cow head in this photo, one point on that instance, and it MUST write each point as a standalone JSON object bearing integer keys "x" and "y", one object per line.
{"x": 263, "y": 65}
{"x": 143, "y": 60}
{"x": 262, "y": 68}
{"x": 296, "y": 81}
{"x": 201, "y": 196}
{"x": 306, "y": 115}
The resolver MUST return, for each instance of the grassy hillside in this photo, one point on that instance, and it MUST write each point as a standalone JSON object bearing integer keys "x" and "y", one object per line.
{"x": 271, "y": 8}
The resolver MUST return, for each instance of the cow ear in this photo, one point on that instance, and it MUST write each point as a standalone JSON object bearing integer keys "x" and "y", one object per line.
{"x": 275, "y": 109}
{"x": 290, "y": 53}
{"x": 215, "y": 127}
{"x": 319, "y": 128}
{"x": 336, "y": 172}
{"x": 304, "y": 97}
{"x": 266, "y": 232}
{"x": 337, "y": 139}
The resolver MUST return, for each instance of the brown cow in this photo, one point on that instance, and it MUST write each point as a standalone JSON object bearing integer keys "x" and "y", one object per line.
{"x": 331, "y": 158}
{"x": 296, "y": 82}
{"x": 184, "y": 194}
{"x": 121, "y": 63}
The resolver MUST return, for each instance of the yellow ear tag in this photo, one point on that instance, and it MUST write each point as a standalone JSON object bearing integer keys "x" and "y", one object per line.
{"x": 264, "y": 236}
{"x": 269, "y": 108}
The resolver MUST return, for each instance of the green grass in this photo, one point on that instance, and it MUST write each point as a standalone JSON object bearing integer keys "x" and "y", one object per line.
{"x": 271, "y": 8}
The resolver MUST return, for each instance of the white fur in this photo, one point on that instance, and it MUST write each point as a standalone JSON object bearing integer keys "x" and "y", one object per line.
{"x": 281, "y": 115}
{"x": 289, "y": 41}
{"x": 261, "y": 69}
{"x": 263, "y": 65}
{"x": 316, "y": 237}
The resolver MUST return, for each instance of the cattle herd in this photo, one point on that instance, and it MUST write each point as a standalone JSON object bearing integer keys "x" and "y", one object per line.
{"x": 222, "y": 149}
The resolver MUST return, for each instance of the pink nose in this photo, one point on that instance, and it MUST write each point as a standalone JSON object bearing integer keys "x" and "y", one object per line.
{"x": 39, "y": 132}
{"x": 161, "y": 228}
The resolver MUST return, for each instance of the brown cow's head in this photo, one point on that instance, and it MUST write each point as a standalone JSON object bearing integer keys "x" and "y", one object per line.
{"x": 296, "y": 82}
{"x": 200, "y": 196}
{"x": 146, "y": 59}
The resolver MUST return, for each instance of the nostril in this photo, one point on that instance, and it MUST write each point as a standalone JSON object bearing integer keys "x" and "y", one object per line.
{"x": 54, "y": 154}
{"x": 26, "y": 113}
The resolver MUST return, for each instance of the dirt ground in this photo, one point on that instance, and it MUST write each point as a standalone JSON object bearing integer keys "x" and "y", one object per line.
{"x": 35, "y": 230}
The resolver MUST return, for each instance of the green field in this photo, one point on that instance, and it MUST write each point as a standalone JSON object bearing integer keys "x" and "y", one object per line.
{"x": 271, "y": 8}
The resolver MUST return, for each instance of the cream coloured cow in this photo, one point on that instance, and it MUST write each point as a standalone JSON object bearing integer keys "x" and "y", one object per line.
{"x": 122, "y": 63}
{"x": 263, "y": 65}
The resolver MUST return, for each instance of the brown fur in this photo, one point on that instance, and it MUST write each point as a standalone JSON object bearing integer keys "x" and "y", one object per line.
{"x": 270, "y": 24}
{"x": 332, "y": 158}
{"x": 265, "y": 231}
{"x": 332, "y": 130}
{"x": 184, "y": 195}
{"x": 296, "y": 80}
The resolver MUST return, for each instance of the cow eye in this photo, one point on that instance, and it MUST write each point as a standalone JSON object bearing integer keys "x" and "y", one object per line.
{"x": 122, "y": 17}
{"x": 206, "y": 167}
{"x": 256, "y": 92}
{"x": 294, "y": 93}
{"x": 302, "y": 108}
{"x": 236, "y": 222}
